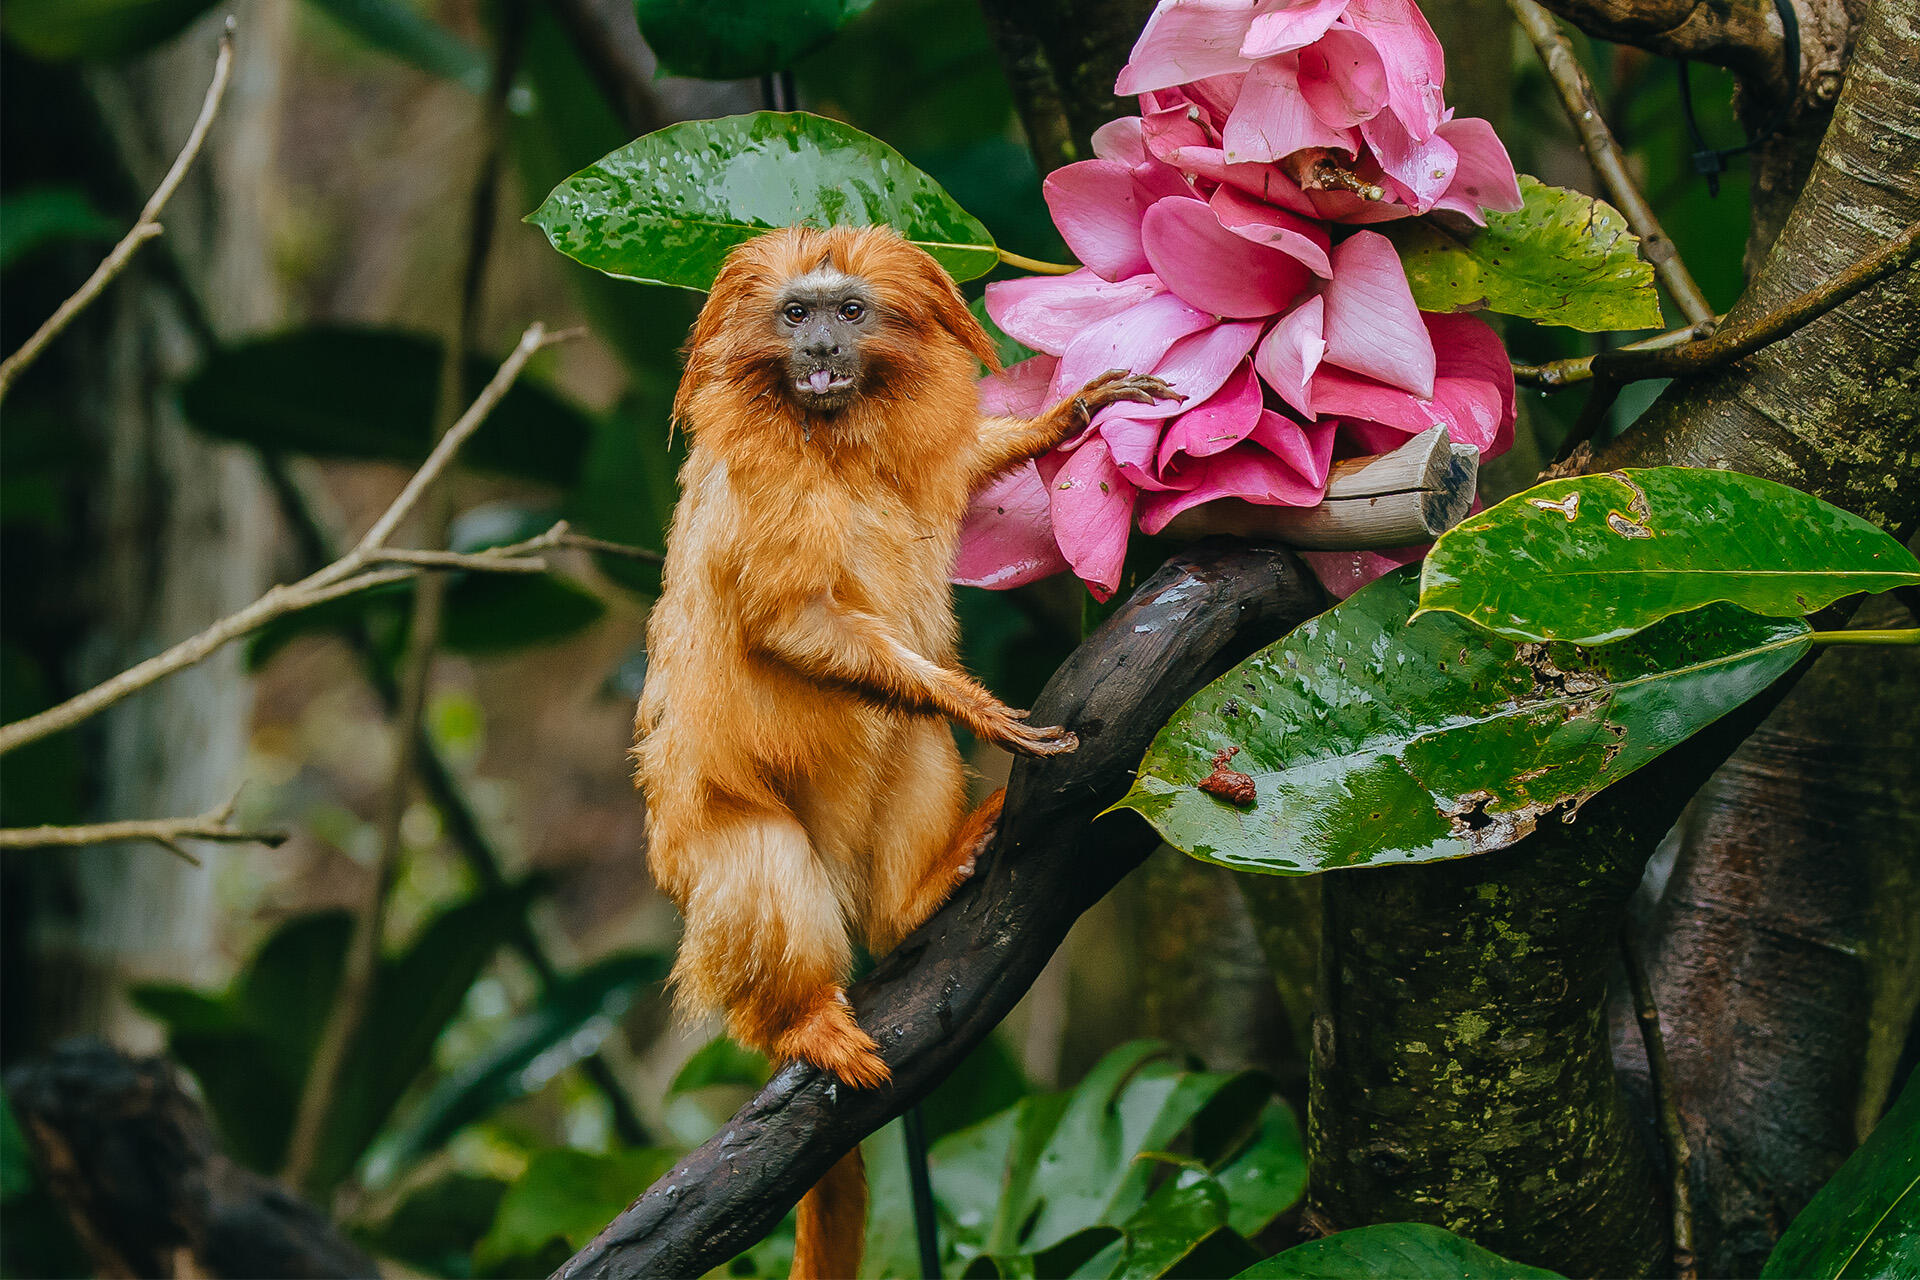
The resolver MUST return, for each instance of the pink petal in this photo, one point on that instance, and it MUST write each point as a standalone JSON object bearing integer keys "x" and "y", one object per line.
{"x": 1134, "y": 339}
{"x": 1417, "y": 173}
{"x": 1485, "y": 178}
{"x": 1215, "y": 96}
{"x": 1006, "y": 539}
{"x": 1344, "y": 572}
{"x": 1197, "y": 366}
{"x": 1097, "y": 208}
{"x": 1273, "y": 118}
{"x": 1472, "y": 397}
{"x": 1048, "y": 312}
{"x": 1263, "y": 224}
{"x": 1186, "y": 40}
{"x": 1019, "y": 390}
{"x": 1294, "y": 27}
{"x": 1410, "y": 53}
{"x": 1290, "y": 354}
{"x": 1219, "y": 422}
{"x": 1245, "y": 472}
{"x": 1120, "y": 140}
{"x": 1092, "y": 507}
{"x": 1372, "y": 325}
{"x": 1343, "y": 78}
{"x": 1213, "y": 268}
{"x": 1133, "y": 442}
{"x": 1307, "y": 449}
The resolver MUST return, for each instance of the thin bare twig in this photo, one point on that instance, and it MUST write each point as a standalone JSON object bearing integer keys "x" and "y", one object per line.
{"x": 1583, "y": 109}
{"x": 1748, "y": 336}
{"x": 145, "y": 229}
{"x": 1660, "y": 1074}
{"x": 215, "y": 824}
{"x": 1558, "y": 375}
{"x": 347, "y": 1017}
{"x": 355, "y": 571}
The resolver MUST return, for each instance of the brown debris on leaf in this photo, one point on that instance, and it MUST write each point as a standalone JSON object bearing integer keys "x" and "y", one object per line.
{"x": 1234, "y": 788}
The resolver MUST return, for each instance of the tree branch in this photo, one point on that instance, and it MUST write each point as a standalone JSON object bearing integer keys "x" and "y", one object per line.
{"x": 1672, "y": 1134}
{"x": 355, "y": 571}
{"x": 144, "y": 229}
{"x": 942, "y": 990}
{"x": 1744, "y": 36}
{"x": 1608, "y": 161}
{"x": 215, "y": 824}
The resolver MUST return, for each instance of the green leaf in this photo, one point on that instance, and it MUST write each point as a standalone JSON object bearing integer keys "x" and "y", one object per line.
{"x": 1269, "y": 1176}
{"x": 251, "y": 1046}
{"x": 1865, "y": 1223}
{"x": 740, "y": 39}
{"x": 564, "y": 1196}
{"x": 720, "y": 1062}
{"x": 1564, "y": 258}
{"x": 1593, "y": 558}
{"x": 36, "y": 216}
{"x": 566, "y": 1024}
{"x": 399, "y": 28}
{"x": 629, "y": 486}
{"x": 667, "y": 207}
{"x": 1388, "y": 1252}
{"x": 339, "y": 392}
{"x": 1187, "y": 1208}
{"x": 1373, "y": 740}
{"x": 16, "y": 1164}
{"x": 95, "y": 29}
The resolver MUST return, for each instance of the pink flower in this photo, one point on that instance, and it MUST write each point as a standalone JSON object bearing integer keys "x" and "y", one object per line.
{"x": 1210, "y": 263}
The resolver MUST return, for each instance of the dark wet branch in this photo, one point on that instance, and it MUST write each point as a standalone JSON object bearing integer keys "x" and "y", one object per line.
{"x": 939, "y": 994}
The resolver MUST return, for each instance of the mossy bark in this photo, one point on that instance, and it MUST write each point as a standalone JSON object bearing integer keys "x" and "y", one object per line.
{"x": 1547, "y": 1170}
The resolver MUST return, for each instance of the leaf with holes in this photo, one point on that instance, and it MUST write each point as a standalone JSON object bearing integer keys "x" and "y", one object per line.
{"x": 1370, "y": 738}
{"x": 667, "y": 207}
{"x": 1593, "y": 558}
{"x": 1563, "y": 258}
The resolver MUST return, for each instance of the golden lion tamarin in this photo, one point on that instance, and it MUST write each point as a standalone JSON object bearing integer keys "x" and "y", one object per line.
{"x": 802, "y": 785}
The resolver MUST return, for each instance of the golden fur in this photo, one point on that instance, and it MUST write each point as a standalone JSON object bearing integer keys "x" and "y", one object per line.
{"x": 801, "y": 783}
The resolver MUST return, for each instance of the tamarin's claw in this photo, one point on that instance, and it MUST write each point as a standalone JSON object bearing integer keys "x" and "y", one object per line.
{"x": 1038, "y": 740}
{"x": 830, "y": 1039}
{"x": 1117, "y": 384}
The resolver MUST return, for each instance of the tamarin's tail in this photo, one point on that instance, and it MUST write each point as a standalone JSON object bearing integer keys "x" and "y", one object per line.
{"x": 832, "y": 1228}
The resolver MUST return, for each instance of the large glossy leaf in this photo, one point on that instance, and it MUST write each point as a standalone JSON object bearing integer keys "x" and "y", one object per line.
{"x": 398, "y": 27}
{"x": 563, "y": 1026}
{"x": 1593, "y": 558}
{"x": 1564, "y": 258}
{"x": 1391, "y": 1251}
{"x": 339, "y": 392}
{"x": 1865, "y": 1223}
{"x": 59, "y": 29}
{"x": 667, "y": 207}
{"x": 1371, "y": 739}
{"x": 741, "y": 38}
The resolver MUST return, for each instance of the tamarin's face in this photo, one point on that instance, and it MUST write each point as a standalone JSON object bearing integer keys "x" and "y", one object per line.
{"x": 826, "y": 318}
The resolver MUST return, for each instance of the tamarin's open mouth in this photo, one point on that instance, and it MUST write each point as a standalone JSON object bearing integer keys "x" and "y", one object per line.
{"x": 824, "y": 382}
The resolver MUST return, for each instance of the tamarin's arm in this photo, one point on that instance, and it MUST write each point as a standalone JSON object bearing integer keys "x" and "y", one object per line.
{"x": 830, "y": 643}
{"x": 1006, "y": 442}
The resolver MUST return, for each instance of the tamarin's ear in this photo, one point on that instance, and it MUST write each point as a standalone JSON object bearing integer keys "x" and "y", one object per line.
{"x": 703, "y": 349}
{"x": 950, "y": 309}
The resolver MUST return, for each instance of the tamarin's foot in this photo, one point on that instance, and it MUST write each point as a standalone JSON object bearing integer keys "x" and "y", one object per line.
{"x": 830, "y": 1039}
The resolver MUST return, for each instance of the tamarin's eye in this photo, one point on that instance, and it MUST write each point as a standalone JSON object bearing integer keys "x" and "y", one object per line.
{"x": 795, "y": 313}
{"x": 851, "y": 310}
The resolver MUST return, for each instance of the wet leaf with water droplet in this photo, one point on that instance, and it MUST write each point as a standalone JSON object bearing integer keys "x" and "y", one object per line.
{"x": 1589, "y": 559}
{"x": 667, "y": 207}
{"x": 1372, "y": 738}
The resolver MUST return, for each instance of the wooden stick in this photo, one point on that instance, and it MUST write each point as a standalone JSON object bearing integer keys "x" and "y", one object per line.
{"x": 1412, "y": 495}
